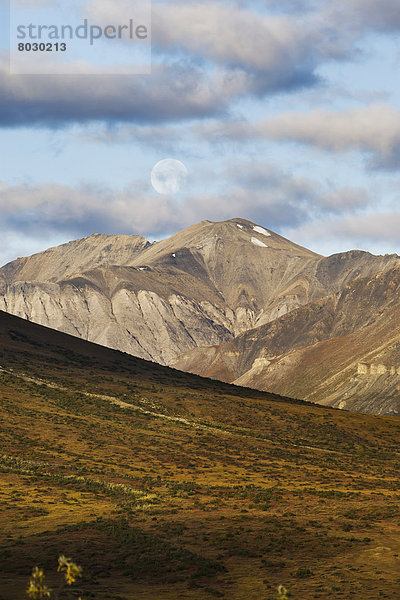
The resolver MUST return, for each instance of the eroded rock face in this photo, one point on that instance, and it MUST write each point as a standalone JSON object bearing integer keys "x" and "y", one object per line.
{"x": 199, "y": 300}
{"x": 341, "y": 351}
{"x": 143, "y": 323}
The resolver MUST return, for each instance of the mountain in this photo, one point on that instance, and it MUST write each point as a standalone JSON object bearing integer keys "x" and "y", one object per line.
{"x": 342, "y": 350}
{"x": 201, "y": 287}
{"x": 162, "y": 484}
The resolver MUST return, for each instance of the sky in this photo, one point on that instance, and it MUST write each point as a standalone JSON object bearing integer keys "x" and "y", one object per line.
{"x": 284, "y": 112}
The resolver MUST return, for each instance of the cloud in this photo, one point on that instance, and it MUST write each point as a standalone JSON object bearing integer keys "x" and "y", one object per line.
{"x": 288, "y": 6}
{"x": 303, "y": 194}
{"x": 374, "y": 130}
{"x": 177, "y": 91}
{"x": 235, "y": 38}
{"x": 235, "y": 35}
{"x": 344, "y": 201}
{"x": 383, "y": 16}
{"x": 30, "y": 3}
{"x": 377, "y": 230}
{"x": 260, "y": 192}
{"x": 371, "y": 228}
{"x": 162, "y": 138}
{"x": 49, "y": 208}
{"x": 273, "y": 51}
{"x": 206, "y": 56}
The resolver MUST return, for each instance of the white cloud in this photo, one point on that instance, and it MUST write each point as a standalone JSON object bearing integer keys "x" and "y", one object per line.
{"x": 229, "y": 36}
{"x": 381, "y": 15}
{"x": 177, "y": 91}
{"x": 372, "y": 227}
{"x": 376, "y": 232}
{"x": 277, "y": 199}
{"x": 274, "y": 49}
{"x": 373, "y": 129}
{"x": 206, "y": 56}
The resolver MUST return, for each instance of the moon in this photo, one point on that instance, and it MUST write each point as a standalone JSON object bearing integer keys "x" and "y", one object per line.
{"x": 168, "y": 175}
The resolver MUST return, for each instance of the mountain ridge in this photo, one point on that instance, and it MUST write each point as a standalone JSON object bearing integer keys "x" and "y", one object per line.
{"x": 326, "y": 339}
{"x": 201, "y": 288}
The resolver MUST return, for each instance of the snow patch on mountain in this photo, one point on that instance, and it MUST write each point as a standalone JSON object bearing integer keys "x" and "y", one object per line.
{"x": 257, "y": 242}
{"x": 258, "y": 229}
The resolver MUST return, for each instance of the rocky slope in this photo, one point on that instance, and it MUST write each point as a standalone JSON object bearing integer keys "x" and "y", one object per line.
{"x": 342, "y": 350}
{"x": 210, "y": 284}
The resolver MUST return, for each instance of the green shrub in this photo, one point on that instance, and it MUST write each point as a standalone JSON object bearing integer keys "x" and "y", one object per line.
{"x": 37, "y": 589}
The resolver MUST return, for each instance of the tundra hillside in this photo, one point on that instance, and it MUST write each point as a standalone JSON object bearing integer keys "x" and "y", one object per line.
{"x": 164, "y": 485}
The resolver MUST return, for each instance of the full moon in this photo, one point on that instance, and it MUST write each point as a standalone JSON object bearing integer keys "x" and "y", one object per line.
{"x": 168, "y": 175}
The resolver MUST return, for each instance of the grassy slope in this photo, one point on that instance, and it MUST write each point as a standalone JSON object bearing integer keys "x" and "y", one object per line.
{"x": 226, "y": 491}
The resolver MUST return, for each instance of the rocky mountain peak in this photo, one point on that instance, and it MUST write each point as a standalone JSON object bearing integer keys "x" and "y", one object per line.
{"x": 74, "y": 257}
{"x": 199, "y": 289}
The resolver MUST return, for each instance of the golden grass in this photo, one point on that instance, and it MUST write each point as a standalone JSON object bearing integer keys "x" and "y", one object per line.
{"x": 196, "y": 491}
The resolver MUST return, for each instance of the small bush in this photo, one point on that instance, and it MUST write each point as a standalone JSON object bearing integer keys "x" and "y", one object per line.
{"x": 303, "y": 573}
{"x": 37, "y": 589}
